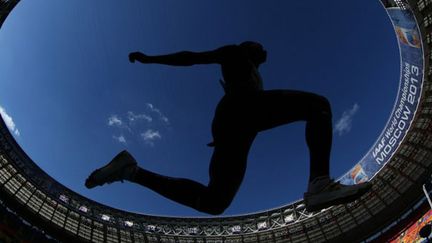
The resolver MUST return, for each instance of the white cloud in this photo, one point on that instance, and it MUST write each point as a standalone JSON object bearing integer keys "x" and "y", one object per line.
{"x": 120, "y": 139}
{"x": 146, "y": 126}
{"x": 150, "y": 106}
{"x": 165, "y": 119}
{"x": 150, "y": 135}
{"x": 9, "y": 122}
{"x": 114, "y": 121}
{"x": 344, "y": 124}
{"x": 135, "y": 117}
{"x": 161, "y": 116}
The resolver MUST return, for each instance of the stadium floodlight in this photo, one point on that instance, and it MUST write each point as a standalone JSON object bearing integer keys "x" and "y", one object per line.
{"x": 401, "y": 4}
{"x": 236, "y": 229}
{"x": 262, "y": 225}
{"x": 83, "y": 209}
{"x": 427, "y": 189}
{"x": 288, "y": 219}
{"x": 300, "y": 206}
{"x": 129, "y": 223}
{"x": 193, "y": 230}
{"x": 105, "y": 217}
{"x": 288, "y": 210}
{"x": 64, "y": 198}
{"x": 151, "y": 228}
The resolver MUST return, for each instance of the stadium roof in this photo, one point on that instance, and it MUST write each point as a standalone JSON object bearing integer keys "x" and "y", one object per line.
{"x": 397, "y": 184}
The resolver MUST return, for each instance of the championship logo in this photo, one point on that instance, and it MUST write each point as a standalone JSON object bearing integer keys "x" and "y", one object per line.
{"x": 358, "y": 175}
{"x": 408, "y": 37}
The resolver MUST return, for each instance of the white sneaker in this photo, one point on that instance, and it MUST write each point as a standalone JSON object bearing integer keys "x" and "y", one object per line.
{"x": 324, "y": 192}
{"x": 123, "y": 166}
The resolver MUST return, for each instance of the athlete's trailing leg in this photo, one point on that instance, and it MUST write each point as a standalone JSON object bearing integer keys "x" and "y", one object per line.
{"x": 279, "y": 107}
{"x": 226, "y": 171}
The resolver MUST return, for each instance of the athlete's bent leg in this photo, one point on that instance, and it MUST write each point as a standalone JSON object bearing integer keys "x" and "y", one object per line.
{"x": 124, "y": 167}
{"x": 319, "y": 137}
{"x": 227, "y": 168}
{"x": 279, "y": 107}
{"x": 226, "y": 174}
{"x": 183, "y": 191}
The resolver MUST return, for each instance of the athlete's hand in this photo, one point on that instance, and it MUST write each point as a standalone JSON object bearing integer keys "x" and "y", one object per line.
{"x": 138, "y": 56}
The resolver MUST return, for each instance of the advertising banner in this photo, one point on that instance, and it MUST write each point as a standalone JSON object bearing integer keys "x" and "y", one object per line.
{"x": 411, "y": 234}
{"x": 410, "y": 87}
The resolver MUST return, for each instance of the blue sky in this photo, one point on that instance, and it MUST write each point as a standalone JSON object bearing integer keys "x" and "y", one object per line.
{"x": 73, "y": 100}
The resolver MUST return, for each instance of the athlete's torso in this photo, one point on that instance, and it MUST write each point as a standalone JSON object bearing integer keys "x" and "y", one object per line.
{"x": 240, "y": 75}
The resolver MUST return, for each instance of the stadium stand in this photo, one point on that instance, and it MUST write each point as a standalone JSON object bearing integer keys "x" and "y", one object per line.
{"x": 33, "y": 204}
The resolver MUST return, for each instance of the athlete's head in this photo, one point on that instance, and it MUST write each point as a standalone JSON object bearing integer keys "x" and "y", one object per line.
{"x": 255, "y": 51}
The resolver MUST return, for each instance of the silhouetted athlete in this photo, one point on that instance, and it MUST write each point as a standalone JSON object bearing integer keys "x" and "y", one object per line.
{"x": 245, "y": 109}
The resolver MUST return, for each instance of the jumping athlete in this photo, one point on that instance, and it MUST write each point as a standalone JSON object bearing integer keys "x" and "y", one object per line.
{"x": 245, "y": 109}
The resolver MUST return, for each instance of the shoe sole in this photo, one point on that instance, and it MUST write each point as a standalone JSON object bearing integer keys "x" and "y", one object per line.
{"x": 110, "y": 169}
{"x": 324, "y": 200}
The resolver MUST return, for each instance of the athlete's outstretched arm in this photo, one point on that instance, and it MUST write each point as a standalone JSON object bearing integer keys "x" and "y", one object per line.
{"x": 183, "y": 58}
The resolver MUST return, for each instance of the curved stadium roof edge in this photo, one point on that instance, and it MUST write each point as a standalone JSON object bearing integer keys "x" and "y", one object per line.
{"x": 397, "y": 164}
